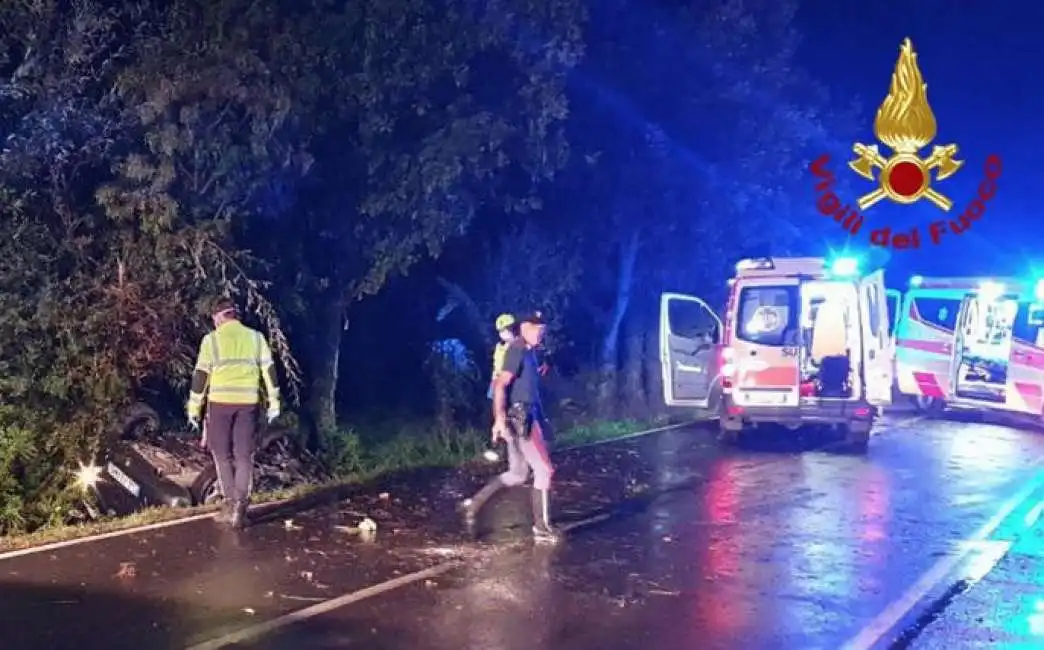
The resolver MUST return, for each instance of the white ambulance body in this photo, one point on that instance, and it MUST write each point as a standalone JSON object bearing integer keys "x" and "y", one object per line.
{"x": 973, "y": 343}
{"x": 803, "y": 341}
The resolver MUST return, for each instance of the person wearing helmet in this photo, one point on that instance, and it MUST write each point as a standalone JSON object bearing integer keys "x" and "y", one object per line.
{"x": 516, "y": 416}
{"x": 505, "y": 325}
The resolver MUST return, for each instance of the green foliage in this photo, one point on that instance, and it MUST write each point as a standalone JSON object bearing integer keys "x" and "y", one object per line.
{"x": 343, "y": 452}
{"x": 159, "y": 153}
{"x": 299, "y": 155}
{"x": 417, "y": 445}
{"x": 454, "y": 377}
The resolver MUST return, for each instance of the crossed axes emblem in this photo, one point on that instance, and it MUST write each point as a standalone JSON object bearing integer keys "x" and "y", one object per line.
{"x": 910, "y": 166}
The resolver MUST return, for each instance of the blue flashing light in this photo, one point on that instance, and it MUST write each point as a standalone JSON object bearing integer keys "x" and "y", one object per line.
{"x": 916, "y": 281}
{"x": 844, "y": 267}
{"x": 1039, "y": 291}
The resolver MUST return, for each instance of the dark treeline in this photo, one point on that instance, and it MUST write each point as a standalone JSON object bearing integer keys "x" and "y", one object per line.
{"x": 374, "y": 181}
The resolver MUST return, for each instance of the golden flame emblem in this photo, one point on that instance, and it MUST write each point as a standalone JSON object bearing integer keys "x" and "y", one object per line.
{"x": 906, "y": 124}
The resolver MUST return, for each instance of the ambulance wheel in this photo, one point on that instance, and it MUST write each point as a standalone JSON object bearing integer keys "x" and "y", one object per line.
{"x": 730, "y": 437}
{"x": 929, "y": 405}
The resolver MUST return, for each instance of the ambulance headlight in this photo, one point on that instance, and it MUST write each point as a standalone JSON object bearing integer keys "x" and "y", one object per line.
{"x": 844, "y": 267}
{"x": 991, "y": 290}
{"x": 1039, "y": 291}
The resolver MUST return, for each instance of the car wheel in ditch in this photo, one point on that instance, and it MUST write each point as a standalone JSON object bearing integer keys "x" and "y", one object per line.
{"x": 206, "y": 490}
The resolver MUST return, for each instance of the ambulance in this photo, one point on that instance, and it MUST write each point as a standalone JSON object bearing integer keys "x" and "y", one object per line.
{"x": 972, "y": 343}
{"x": 804, "y": 341}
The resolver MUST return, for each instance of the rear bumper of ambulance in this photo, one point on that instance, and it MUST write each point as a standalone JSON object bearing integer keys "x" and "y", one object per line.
{"x": 857, "y": 414}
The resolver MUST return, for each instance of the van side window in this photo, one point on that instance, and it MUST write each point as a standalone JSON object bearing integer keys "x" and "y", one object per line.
{"x": 1022, "y": 329}
{"x": 769, "y": 315}
{"x": 691, "y": 320}
{"x": 875, "y": 312}
{"x": 941, "y": 312}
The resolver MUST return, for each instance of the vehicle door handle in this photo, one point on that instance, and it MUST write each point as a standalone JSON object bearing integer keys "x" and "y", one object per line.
{"x": 873, "y": 354}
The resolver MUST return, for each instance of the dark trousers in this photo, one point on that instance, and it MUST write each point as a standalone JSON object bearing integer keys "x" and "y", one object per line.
{"x": 526, "y": 450}
{"x": 232, "y": 438}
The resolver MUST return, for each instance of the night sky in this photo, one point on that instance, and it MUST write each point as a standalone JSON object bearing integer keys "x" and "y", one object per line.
{"x": 982, "y": 62}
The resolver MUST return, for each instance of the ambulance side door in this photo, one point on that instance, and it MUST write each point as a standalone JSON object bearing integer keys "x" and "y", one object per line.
{"x": 690, "y": 337}
{"x": 877, "y": 357}
{"x": 967, "y": 315}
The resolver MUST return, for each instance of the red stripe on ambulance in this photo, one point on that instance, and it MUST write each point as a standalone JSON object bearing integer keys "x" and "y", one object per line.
{"x": 929, "y": 385}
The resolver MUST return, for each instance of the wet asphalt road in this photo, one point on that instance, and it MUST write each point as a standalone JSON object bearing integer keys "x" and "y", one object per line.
{"x": 759, "y": 548}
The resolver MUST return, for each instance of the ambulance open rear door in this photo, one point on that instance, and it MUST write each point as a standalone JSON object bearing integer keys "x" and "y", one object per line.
{"x": 690, "y": 336}
{"x": 876, "y": 342}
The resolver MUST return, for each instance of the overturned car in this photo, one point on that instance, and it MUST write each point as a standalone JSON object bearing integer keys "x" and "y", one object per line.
{"x": 144, "y": 466}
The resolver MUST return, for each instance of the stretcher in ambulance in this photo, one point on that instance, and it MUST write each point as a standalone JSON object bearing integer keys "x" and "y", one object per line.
{"x": 972, "y": 343}
{"x": 803, "y": 341}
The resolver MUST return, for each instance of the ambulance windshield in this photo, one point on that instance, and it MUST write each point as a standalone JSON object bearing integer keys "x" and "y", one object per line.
{"x": 768, "y": 315}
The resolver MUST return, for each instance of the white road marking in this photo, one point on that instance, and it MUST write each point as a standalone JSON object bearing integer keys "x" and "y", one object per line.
{"x": 589, "y": 521}
{"x": 255, "y": 631}
{"x": 636, "y": 434}
{"x": 53, "y": 546}
{"x": 261, "y": 629}
{"x": 931, "y": 579}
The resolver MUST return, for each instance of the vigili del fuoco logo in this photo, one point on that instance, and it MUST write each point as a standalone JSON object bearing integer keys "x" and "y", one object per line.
{"x": 906, "y": 125}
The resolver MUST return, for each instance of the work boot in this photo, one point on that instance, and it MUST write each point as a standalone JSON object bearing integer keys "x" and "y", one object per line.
{"x": 225, "y": 513}
{"x": 469, "y": 508}
{"x": 239, "y": 514}
{"x": 543, "y": 531}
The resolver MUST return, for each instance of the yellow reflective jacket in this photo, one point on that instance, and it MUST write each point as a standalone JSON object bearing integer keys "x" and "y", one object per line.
{"x": 236, "y": 360}
{"x": 498, "y": 356}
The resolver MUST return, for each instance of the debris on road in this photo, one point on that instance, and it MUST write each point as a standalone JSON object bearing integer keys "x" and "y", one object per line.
{"x": 367, "y": 528}
{"x": 126, "y": 570}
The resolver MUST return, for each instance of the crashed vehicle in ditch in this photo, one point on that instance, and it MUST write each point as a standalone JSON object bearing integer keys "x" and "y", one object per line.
{"x": 145, "y": 466}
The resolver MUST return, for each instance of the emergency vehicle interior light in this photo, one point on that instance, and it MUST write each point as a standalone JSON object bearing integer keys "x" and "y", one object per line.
{"x": 916, "y": 280}
{"x": 755, "y": 264}
{"x": 844, "y": 266}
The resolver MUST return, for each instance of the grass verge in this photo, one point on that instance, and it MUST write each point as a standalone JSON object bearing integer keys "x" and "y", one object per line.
{"x": 402, "y": 452}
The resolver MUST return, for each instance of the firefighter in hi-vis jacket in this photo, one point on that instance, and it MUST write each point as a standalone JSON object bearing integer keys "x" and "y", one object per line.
{"x": 233, "y": 362}
{"x": 505, "y": 325}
